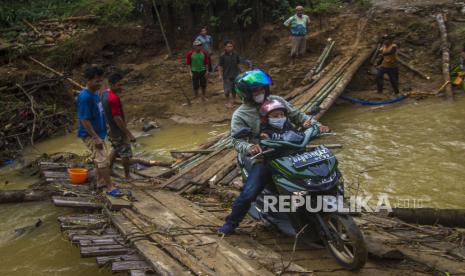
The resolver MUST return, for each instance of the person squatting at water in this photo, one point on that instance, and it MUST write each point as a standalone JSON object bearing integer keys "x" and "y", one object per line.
{"x": 253, "y": 87}
{"x": 387, "y": 64}
{"x": 197, "y": 61}
{"x": 119, "y": 135}
{"x": 92, "y": 128}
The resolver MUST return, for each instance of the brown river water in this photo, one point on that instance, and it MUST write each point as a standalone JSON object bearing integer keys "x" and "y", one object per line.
{"x": 412, "y": 151}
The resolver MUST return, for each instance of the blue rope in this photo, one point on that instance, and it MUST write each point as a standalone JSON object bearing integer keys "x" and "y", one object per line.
{"x": 363, "y": 102}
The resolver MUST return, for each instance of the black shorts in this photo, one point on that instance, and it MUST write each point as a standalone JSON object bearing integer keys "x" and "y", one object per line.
{"x": 199, "y": 80}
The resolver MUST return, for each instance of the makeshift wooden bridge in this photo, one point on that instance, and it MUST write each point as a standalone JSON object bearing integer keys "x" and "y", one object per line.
{"x": 168, "y": 224}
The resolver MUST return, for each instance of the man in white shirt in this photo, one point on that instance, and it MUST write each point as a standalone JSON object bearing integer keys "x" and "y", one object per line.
{"x": 298, "y": 25}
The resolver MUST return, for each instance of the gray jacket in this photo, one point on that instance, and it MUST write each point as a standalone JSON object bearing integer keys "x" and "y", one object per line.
{"x": 247, "y": 116}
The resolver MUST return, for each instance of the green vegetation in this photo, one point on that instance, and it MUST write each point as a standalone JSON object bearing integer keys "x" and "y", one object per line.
{"x": 109, "y": 11}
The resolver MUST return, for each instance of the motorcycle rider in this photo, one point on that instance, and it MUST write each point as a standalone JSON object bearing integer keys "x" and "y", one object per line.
{"x": 253, "y": 88}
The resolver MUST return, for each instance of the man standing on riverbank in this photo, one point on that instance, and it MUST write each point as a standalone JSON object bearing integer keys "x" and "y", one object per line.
{"x": 298, "y": 25}
{"x": 207, "y": 42}
{"x": 387, "y": 64}
{"x": 92, "y": 127}
{"x": 197, "y": 61}
{"x": 228, "y": 71}
{"x": 119, "y": 134}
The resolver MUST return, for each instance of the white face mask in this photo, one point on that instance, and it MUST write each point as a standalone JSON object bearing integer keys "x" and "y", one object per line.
{"x": 277, "y": 122}
{"x": 260, "y": 98}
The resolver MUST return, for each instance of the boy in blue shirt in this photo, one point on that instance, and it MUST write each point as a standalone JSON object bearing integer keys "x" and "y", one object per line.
{"x": 92, "y": 127}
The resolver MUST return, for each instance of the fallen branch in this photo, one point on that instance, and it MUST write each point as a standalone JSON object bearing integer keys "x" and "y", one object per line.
{"x": 31, "y": 100}
{"x": 32, "y": 27}
{"x": 57, "y": 73}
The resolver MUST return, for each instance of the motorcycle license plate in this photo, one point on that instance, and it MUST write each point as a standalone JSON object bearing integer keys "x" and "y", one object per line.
{"x": 310, "y": 158}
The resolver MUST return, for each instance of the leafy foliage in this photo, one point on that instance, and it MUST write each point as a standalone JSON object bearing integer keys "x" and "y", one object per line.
{"x": 109, "y": 11}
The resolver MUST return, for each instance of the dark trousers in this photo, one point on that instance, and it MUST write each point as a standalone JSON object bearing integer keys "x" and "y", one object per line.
{"x": 259, "y": 177}
{"x": 393, "y": 74}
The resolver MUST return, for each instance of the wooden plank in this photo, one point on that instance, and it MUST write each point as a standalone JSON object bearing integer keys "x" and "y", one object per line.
{"x": 103, "y": 260}
{"x": 183, "y": 178}
{"x": 230, "y": 176}
{"x": 116, "y": 204}
{"x": 157, "y": 258}
{"x": 196, "y": 215}
{"x": 77, "y": 238}
{"x": 97, "y": 242}
{"x": 120, "y": 266}
{"x": 104, "y": 250}
{"x": 155, "y": 172}
{"x": 76, "y": 202}
{"x": 211, "y": 250}
{"x": 166, "y": 242}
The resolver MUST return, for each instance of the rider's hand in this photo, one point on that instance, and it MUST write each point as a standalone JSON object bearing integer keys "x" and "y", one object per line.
{"x": 264, "y": 136}
{"x": 307, "y": 124}
{"x": 255, "y": 149}
{"x": 324, "y": 129}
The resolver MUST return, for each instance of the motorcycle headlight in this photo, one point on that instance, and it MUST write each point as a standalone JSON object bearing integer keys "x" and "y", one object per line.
{"x": 322, "y": 181}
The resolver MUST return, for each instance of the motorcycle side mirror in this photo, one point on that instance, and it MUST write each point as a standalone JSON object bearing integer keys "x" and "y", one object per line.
{"x": 242, "y": 133}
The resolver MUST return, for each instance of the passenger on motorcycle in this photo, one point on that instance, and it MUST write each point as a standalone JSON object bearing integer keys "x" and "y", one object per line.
{"x": 253, "y": 88}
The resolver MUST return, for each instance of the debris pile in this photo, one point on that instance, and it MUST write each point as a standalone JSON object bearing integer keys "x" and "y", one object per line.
{"x": 31, "y": 111}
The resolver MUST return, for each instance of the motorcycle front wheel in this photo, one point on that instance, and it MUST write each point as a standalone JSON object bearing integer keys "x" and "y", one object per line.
{"x": 349, "y": 246}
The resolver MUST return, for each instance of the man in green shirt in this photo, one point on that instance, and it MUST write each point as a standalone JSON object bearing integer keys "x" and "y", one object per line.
{"x": 197, "y": 61}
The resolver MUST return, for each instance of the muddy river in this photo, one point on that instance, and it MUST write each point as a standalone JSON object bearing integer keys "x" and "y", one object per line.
{"x": 407, "y": 151}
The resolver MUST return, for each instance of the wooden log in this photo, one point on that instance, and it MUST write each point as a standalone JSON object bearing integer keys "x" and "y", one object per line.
{"x": 445, "y": 55}
{"x": 227, "y": 161}
{"x": 230, "y": 176}
{"x": 431, "y": 216}
{"x": 104, "y": 260}
{"x": 362, "y": 55}
{"x": 15, "y": 196}
{"x": 184, "y": 177}
{"x": 120, "y": 266}
{"x": 57, "y": 73}
{"x": 104, "y": 250}
{"x": 413, "y": 69}
{"x": 76, "y": 202}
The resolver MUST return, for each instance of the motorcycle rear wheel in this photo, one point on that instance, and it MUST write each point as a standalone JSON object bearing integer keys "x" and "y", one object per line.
{"x": 349, "y": 248}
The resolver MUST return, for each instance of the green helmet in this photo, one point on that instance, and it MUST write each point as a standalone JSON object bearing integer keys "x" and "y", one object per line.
{"x": 246, "y": 81}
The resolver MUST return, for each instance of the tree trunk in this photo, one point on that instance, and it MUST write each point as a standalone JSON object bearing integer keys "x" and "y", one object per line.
{"x": 15, "y": 196}
{"x": 445, "y": 55}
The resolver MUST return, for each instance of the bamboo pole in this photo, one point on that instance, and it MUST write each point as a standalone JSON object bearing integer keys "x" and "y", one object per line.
{"x": 162, "y": 28}
{"x": 411, "y": 68}
{"x": 445, "y": 55}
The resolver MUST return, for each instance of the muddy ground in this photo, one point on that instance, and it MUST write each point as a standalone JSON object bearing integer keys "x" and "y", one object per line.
{"x": 155, "y": 83}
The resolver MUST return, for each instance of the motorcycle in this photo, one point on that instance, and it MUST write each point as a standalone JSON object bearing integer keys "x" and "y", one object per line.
{"x": 299, "y": 172}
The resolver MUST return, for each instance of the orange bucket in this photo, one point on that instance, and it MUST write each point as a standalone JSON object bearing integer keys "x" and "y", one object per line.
{"x": 77, "y": 175}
